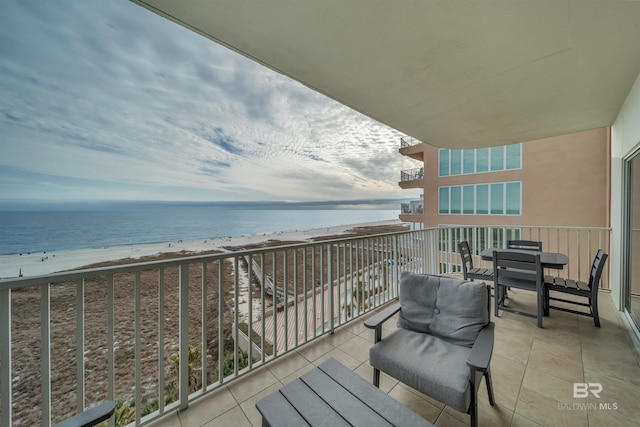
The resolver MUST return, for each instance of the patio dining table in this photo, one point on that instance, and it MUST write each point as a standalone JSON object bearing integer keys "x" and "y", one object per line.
{"x": 547, "y": 259}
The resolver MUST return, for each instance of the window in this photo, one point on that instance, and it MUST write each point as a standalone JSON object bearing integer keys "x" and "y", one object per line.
{"x": 443, "y": 239}
{"x": 513, "y": 198}
{"x": 501, "y": 235}
{"x": 479, "y": 238}
{"x": 443, "y": 200}
{"x": 513, "y": 156}
{"x": 443, "y": 162}
{"x": 482, "y": 199}
{"x": 448, "y": 268}
{"x": 469, "y": 161}
{"x": 497, "y": 158}
{"x": 456, "y": 162}
{"x": 456, "y": 200}
{"x": 482, "y": 160}
{"x": 468, "y": 199}
{"x": 499, "y": 198}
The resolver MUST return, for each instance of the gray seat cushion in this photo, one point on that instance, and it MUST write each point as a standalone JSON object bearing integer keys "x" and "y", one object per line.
{"x": 452, "y": 309}
{"x": 427, "y": 363}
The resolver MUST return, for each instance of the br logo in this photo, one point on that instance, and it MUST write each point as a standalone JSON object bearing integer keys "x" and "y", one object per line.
{"x": 582, "y": 390}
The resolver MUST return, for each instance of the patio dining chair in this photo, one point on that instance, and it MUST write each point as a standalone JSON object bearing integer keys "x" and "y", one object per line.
{"x": 518, "y": 270}
{"x": 529, "y": 245}
{"x": 525, "y": 245}
{"x": 589, "y": 289}
{"x": 468, "y": 270}
{"x": 444, "y": 340}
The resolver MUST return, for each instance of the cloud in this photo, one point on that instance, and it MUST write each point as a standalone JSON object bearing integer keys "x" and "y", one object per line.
{"x": 220, "y": 139}
{"x": 107, "y": 100}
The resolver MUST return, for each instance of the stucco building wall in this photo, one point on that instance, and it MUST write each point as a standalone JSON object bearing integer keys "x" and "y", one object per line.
{"x": 565, "y": 182}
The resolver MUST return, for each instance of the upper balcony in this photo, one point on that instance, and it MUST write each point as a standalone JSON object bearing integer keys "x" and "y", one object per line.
{"x": 200, "y": 339}
{"x": 412, "y": 147}
{"x": 412, "y": 178}
{"x": 412, "y": 208}
{"x": 408, "y": 141}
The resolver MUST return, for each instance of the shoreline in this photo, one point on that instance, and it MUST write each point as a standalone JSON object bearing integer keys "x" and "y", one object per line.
{"x": 42, "y": 263}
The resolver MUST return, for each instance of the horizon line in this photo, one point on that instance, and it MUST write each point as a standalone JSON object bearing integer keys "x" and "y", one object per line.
{"x": 19, "y": 204}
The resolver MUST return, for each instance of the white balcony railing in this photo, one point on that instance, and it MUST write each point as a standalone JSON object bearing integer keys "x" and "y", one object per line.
{"x": 578, "y": 243}
{"x": 157, "y": 335}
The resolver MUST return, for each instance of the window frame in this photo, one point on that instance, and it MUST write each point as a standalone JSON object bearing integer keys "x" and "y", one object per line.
{"x": 448, "y": 190}
{"x": 455, "y": 164}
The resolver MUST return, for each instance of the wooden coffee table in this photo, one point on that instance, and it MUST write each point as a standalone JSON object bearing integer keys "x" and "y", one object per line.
{"x": 333, "y": 395}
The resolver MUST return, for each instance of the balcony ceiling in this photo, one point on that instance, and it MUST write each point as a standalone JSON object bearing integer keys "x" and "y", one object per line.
{"x": 456, "y": 73}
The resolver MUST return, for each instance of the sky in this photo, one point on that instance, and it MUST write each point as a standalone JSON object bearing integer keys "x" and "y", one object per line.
{"x": 104, "y": 100}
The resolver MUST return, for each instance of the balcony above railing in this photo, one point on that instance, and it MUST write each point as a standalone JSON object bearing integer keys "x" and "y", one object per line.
{"x": 412, "y": 174}
{"x": 412, "y": 148}
{"x": 408, "y": 141}
{"x": 411, "y": 209}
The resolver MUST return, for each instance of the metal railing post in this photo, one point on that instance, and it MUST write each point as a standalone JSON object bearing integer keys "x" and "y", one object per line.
{"x": 161, "y": 386}
{"x": 138, "y": 343}
{"x": 234, "y": 332}
{"x": 221, "y": 319}
{"x": 184, "y": 336}
{"x": 203, "y": 331}
{"x": 274, "y": 307}
{"x": 45, "y": 352}
{"x": 295, "y": 298}
{"x": 330, "y": 288}
{"x": 395, "y": 266}
{"x": 304, "y": 292}
{"x": 80, "y": 344}
{"x": 431, "y": 246}
{"x": 285, "y": 291}
{"x": 5, "y": 356}
{"x": 111, "y": 363}
{"x": 490, "y": 237}
{"x": 262, "y": 304}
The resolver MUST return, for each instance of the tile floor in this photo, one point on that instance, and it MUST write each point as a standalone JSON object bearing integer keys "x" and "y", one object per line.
{"x": 533, "y": 373}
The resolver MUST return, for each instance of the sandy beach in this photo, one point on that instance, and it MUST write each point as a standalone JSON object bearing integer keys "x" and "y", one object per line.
{"x": 41, "y": 263}
{"x": 26, "y": 304}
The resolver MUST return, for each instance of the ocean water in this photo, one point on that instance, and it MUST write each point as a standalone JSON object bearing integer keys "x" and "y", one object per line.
{"x": 64, "y": 227}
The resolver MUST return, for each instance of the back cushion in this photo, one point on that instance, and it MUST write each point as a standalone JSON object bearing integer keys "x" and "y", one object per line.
{"x": 452, "y": 309}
